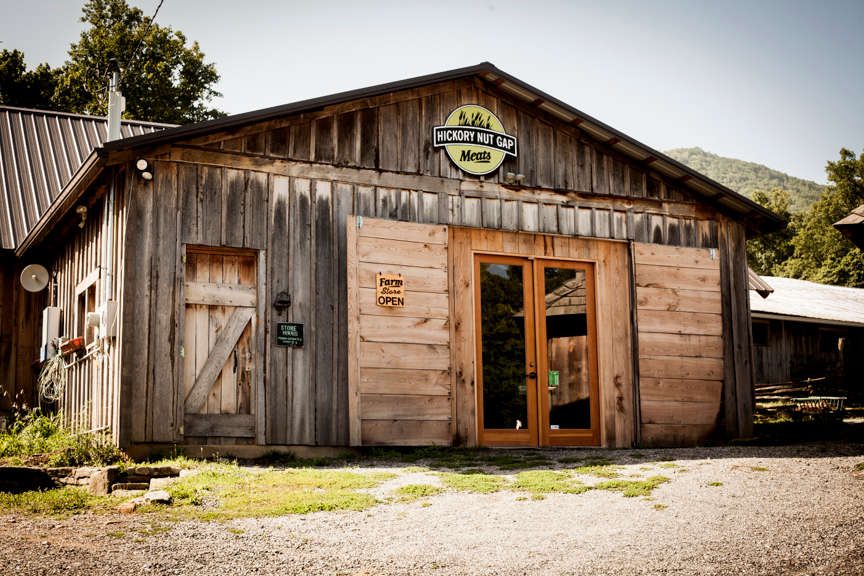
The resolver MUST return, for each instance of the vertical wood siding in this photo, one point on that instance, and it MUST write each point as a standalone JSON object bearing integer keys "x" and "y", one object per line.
{"x": 20, "y": 335}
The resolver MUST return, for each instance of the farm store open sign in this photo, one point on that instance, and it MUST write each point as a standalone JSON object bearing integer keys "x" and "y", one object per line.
{"x": 389, "y": 290}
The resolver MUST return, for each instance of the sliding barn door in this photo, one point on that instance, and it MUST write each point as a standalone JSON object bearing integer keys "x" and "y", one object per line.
{"x": 219, "y": 345}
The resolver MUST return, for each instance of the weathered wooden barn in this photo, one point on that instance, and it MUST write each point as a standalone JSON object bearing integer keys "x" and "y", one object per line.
{"x": 452, "y": 259}
{"x": 40, "y": 152}
{"x": 805, "y": 330}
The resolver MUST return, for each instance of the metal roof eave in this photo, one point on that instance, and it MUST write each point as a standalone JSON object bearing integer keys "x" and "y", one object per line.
{"x": 756, "y": 218}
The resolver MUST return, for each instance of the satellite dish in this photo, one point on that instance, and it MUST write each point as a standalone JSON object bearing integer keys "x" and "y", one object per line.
{"x": 34, "y": 278}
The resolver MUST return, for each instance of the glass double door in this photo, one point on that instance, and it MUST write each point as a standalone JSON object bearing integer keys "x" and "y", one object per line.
{"x": 536, "y": 352}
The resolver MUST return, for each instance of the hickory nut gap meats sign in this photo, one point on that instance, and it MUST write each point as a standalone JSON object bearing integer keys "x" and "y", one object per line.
{"x": 474, "y": 139}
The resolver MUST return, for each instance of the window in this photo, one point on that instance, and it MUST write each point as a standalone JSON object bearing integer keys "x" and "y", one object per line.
{"x": 761, "y": 333}
{"x": 85, "y": 296}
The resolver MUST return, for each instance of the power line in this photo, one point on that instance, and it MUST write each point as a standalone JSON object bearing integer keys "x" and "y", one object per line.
{"x": 144, "y": 35}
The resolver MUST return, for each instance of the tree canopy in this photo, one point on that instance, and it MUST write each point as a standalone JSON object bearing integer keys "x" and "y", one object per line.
{"x": 811, "y": 248}
{"x": 163, "y": 78}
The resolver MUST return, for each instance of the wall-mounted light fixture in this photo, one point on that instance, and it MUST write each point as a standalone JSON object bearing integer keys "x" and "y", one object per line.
{"x": 514, "y": 179}
{"x": 144, "y": 168}
{"x": 282, "y": 301}
{"x": 82, "y": 213}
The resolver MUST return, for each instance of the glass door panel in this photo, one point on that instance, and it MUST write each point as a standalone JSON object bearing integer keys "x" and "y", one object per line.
{"x": 506, "y": 351}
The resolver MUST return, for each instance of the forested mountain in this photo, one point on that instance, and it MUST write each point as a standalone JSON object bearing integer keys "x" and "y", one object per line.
{"x": 748, "y": 177}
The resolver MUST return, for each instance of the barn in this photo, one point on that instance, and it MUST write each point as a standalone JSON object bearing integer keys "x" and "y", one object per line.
{"x": 453, "y": 259}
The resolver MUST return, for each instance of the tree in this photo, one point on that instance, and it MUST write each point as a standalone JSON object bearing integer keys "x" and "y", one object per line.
{"x": 163, "y": 79}
{"x": 821, "y": 253}
{"x": 766, "y": 253}
{"x": 18, "y": 87}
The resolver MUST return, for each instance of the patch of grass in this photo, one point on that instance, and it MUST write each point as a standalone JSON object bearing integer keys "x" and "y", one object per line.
{"x": 598, "y": 470}
{"x": 859, "y": 466}
{"x": 547, "y": 482}
{"x": 633, "y": 488}
{"x": 476, "y": 482}
{"x": 715, "y": 484}
{"x": 115, "y": 534}
{"x": 660, "y": 506}
{"x": 538, "y": 497}
{"x": 236, "y": 531}
{"x": 670, "y": 465}
{"x": 40, "y": 439}
{"x": 412, "y": 492}
{"x": 223, "y": 491}
{"x": 415, "y": 469}
{"x": 60, "y": 502}
{"x": 759, "y": 469}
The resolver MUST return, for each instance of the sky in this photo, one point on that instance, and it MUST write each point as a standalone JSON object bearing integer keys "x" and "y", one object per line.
{"x": 780, "y": 83}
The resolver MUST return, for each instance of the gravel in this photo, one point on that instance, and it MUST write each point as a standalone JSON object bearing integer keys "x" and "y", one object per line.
{"x": 730, "y": 510}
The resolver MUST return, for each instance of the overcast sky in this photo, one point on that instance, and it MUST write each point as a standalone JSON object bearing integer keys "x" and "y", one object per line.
{"x": 775, "y": 82}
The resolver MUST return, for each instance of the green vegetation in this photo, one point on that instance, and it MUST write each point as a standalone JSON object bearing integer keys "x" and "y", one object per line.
{"x": 220, "y": 491}
{"x": 598, "y": 470}
{"x": 476, "y": 482}
{"x": 715, "y": 484}
{"x": 548, "y": 481}
{"x": 659, "y": 507}
{"x": 37, "y": 438}
{"x": 758, "y": 469}
{"x": 859, "y": 466}
{"x": 748, "y": 177}
{"x": 669, "y": 465}
{"x": 58, "y": 502}
{"x": 164, "y": 79}
{"x": 412, "y": 492}
{"x": 633, "y": 488}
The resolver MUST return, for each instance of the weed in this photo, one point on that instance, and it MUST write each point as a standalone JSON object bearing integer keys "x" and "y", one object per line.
{"x": 548, "y": 481}
{"x": 415, "y": 469}
{"x": 115, "y": 534}
{"x": 715, "y": 484}
{"x": 57, "y": 502}
{"x": 660, "y": 506}
{"x": 598, "y": 470}
{"x": 670, "y": 465}
{"x": 758, "y": 469}
{"x": 412, "y": 492}
{"x": 859, "y": 466}
{"x": 236, "y": 531}
{"x": 632, "y": 488}
{"x": 425, "y": 504}
{"x": 521, "y": 498}
{"x": 538, "y": 497}
{"x": 476, "y": 482}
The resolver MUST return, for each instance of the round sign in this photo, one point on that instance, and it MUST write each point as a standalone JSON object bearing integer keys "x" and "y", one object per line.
{"x": 475, "y": 140}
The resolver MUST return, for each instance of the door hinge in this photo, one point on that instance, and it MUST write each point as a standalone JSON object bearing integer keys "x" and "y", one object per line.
{"x": 359, "y": 221}
{"x": 183, "y": 258}
{"x": 182, "y": 352}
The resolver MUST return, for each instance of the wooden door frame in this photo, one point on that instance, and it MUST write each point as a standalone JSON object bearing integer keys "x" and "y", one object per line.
{"x": 527, "y": 437}
{"x": 567, "y": 437}
{"x": 536, "y": 349}
{"x": 258, "y": 331}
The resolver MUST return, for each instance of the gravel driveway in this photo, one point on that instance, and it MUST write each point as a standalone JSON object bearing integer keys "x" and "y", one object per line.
{"x": 732, "y": 510}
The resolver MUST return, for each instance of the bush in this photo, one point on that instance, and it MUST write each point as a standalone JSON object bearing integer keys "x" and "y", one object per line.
{"x": 37, "y": 438}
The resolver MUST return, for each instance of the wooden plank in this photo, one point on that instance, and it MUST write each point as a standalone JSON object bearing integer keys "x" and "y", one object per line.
{"x": 405, "y": 433}
{"x": 213, "y": 294}
{"x": 676, "y": 256}
{"x": 685, "y": 368}
{"x": 226, "y": 425}
{"x": 417, "y": 305}
{"x": 666, "y": 344}
{"x": 301, "y": 141}
{"x": 138, "y": 249}
{"x": 409, "y": 122}
{"x": 346, "y": 138}
{"x": 416, "y": 279}
{"x": 399, "y": 252}
{"x": 404, "y": 231}
{"x": 343, "y": 203}
{"x": 233, "y": 207}
{"x": 210, "y": 190}
{"x": 216, "y": 318}
{"x": 231, "y": 375}
{"x": 222, "y": 348}
{"x": 405, "y": 330}
{"x": 165, "y": 307}
{"x": 369, "y": 137}
{"x": 187, "y": 181}
{"x": 405, "y": 407}
{"x": 677, "y": 278}
{"x": 680, "y": 390}
{"x": 681, "y": 300}
{"x": 255, "y": 216}
{"x": 387, "y": 355}
{"x": 680, "y": 322}
{"x": 202, "y": 320}
{"x": 326, "y": 295}
{"x": 404, "y": 381}
{"x": 389, "y": 137}
{"x": 353, "y": 312}
{"x": 259, "y": 327}
{"x": 301, "y": 420}
{"x": 324, "y": 144}
{"x": 617, "y": 270}
{"x": 462, "y": 336}
{"x": 677, "y": 435}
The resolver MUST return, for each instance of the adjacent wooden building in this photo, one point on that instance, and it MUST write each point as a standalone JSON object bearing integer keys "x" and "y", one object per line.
{"x": 338, "y": 272}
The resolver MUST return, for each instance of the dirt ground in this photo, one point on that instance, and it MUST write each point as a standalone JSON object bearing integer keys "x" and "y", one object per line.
{"x": 731, "y": 510}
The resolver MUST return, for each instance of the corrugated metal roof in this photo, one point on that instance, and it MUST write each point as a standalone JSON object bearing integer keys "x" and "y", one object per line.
{"x": 810, "y": 302}
{"x": 40, "y": 150}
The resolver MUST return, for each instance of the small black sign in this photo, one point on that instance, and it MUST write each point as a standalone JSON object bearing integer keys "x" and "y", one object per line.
{"x": 289, "y": 334}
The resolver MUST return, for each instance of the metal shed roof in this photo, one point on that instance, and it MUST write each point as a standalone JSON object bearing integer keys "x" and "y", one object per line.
{"x": 40, "y": 150}
{"x": 803, "y": 301}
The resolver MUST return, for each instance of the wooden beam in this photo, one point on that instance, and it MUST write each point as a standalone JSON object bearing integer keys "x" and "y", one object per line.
{"x": 222, "y": 348}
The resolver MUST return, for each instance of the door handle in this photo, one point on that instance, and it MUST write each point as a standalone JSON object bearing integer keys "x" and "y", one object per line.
{"x": 532, "y": 375}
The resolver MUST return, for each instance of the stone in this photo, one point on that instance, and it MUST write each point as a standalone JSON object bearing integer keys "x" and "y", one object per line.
{"x": 17, "y": 479}
{"x": 130, "y": 506}
{"x": 153, "y": 471}
{"x": 187, "y": 472}
{"x": 157, "y": 497}
{"x": 84, "y": 472}
{"x": 131, "y": 486}
{"x": 121, "y": 493}
{"x": 161, "y": 483}
{"x": 102, "y": 480}
{"x": 59, "y": 473}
